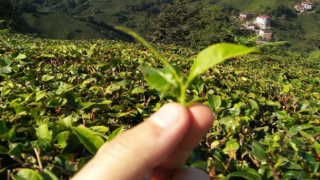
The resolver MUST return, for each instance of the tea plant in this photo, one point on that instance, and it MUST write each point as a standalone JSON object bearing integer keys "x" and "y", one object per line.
{"x": 61, "y": 100}
{"x": 173, "y": 79}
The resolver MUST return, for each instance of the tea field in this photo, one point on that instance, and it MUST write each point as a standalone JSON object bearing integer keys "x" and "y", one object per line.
{"x": 61, "y": 100}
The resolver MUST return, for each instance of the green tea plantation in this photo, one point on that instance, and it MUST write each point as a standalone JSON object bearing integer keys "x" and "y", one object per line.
{"x": 61, "y": 100}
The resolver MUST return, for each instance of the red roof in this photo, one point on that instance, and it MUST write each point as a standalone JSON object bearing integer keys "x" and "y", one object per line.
{"x": 264, "y": 16}
{"x": 300, "y": 5}
{"x": 307, "y": 3}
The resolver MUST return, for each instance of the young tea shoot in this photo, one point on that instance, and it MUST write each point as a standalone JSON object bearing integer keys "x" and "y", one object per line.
{"x": 172, "y": 79}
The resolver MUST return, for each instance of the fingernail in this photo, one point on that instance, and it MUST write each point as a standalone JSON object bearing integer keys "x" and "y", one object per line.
{"x": 166, "y": 116}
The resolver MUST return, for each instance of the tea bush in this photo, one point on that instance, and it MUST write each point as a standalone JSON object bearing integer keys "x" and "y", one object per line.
{"x": 61, "y": 100}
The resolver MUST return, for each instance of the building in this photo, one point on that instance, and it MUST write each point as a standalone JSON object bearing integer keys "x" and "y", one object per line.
{"x": 299, "y": 7}
{"x": 265, "y": 33}
{"x": 264, "y": 20}
{"x": 250, "y": 26}
{"x": 245, "y": 15}
{"x": 307, "y": 5}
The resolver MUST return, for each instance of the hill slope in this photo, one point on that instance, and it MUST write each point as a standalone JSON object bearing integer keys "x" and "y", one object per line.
{"x": 54, "y": 19}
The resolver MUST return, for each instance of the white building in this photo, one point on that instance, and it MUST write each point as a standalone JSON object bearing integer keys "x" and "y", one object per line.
{"x": 264, "y": 20}
{"x": 307, "y": 5}
{"x": 265, "y": 33}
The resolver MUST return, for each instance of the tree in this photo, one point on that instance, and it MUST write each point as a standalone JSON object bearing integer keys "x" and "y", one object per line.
{"x": 197, "y": 28}
{"x": 169, "y": 26}
{"x": 312, "y": 42}
{"x": 210, "y": 26}
{"x": 9, "y": 15}
{"x": 3, "y": 31}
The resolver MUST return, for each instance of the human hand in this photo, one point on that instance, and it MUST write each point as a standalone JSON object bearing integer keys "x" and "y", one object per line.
{"x": 154, "y": 149}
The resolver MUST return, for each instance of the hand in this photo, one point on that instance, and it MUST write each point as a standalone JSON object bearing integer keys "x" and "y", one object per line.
{"x": 154, "y": 149}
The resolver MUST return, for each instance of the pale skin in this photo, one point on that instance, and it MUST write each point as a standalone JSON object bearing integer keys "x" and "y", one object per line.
{"x": 154, "y": 149}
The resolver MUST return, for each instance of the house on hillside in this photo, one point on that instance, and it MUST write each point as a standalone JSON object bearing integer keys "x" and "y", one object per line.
{"x": 264, "y": 20}
{"x": 265, "y": 33}
{"x": 250, "y": 26}
{"x": 307, "y": 5}
{"x": 245, "y": 15}
{"x": 299, "y": 7}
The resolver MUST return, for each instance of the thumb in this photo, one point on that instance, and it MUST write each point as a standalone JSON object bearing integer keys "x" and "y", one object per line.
{"x": 136, "y": 152}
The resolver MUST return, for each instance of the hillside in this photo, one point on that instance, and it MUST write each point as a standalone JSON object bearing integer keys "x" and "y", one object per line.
{"x": 53, "y": 19}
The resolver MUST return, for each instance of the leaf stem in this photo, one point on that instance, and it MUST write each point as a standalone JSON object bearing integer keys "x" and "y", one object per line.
{"x": 38, "y": 158}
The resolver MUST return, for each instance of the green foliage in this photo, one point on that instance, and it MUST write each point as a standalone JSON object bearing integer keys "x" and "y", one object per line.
{"x": 66, "y": 98}
{"x": 176, "y": 24}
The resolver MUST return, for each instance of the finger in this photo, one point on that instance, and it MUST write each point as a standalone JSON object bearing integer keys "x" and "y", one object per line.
{"x": 191, "y": 173}
{"x": 137, "y": 151}
{"x": 202, "y": 118}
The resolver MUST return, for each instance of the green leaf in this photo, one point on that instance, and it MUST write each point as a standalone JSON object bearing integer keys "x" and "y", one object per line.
{"x": 253, "y": 104}
{"x": 259, "y": 152}
{"x": 303, "y": 175}
{"x": 138, "y": 90}
{"x": 215, "y": 54}
{"x": 159, "y": 79}
{"x": 27, "y": 174}
{"x": 6, "y": 62}
{"x": 286, "y": 89}
{"x": 66, "y": 122}
{"x": 105, "y": 102}
{"x": 294, "y": 130}
{"x": 40, "y": 95}
{"x": 64, "y": 88}
{"x": 74, "y": 70}
{"x": 214, "y": 102}
{"x": 3, "y": 127}
{"x": 20, "y": 56}
{"x": 231, "y": 146}
{"x": 5, "y": 70}
{"x": 46, "y": 77}
{"x": 88, "y": 139}
{"x": 102, "y": 129}
{"x": 61, "y": 139}
{"x": 200, "y": 165}
{"x": 64, "y": 161}
{"x": 47, "y": 56}
{"x": 47, "y": 175}
{"x": 290, "y": 175}
{"x": 85, "y": 105}
{"x": 245, "y": 175}
{"x": 115, "y": 133}
{"x": 11, "y": 134}
{"x": 291, "y": 165}
{"x": 271, "y": 103}
{"x": 43, "y": 132}
{"x": 227, "y": 122}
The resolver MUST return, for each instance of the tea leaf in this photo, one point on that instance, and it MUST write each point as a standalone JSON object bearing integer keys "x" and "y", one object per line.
{"x": 215, "y": 54}
{"x": 27, "y": 174}
{"x": 43, "y": 132}
{"x": 245, "y": 175}
{"x": 160, "y": 79}
{"x": 88, "y": 139}
{"x": 115, "y": 133}
{"x": 259, "y": 152}
{"x": 214, "y": 102}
